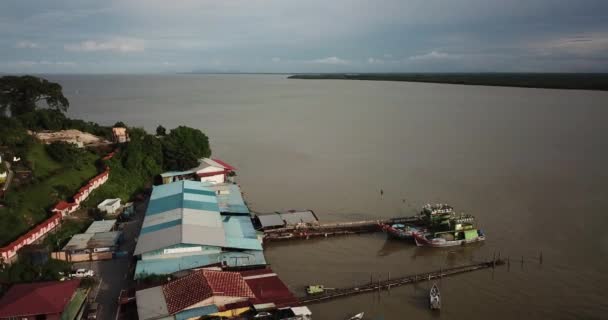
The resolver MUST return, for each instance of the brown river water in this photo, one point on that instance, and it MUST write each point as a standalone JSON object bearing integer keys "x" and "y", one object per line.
{"x": 530, "y": 164}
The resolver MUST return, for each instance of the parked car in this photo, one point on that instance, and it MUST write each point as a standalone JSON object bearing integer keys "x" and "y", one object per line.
{"x": 83, "y": 273}
{"x": 93, "y": 311}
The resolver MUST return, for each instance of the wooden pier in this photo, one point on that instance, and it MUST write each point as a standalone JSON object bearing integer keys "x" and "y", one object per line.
{"x": 334, "y": 229}
{"x": 391, "y": 283}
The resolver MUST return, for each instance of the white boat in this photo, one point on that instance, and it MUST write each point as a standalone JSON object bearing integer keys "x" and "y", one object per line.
{"x": 435, "y": 298}
{"x": 471, "y": 236}
{"x": 358, "y": 316}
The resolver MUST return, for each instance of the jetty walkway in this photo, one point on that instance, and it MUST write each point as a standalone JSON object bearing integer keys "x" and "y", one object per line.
{"x": 390, "y": 283}
{"x": 334, "y": 229}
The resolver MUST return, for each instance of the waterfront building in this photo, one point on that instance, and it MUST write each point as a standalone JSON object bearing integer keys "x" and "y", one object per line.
{"x": 209, "y": 170}
{"x": 214, "y": 293}
{"x": 285, "y": 219}
{"x": 184, "y": 228}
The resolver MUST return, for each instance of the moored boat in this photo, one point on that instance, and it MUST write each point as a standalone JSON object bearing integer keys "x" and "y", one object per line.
{"x": 450, "y": 238}
{"x": 435, "y": 298}
{"x": 358, "y": 316}
{"x": 402, "y": 231}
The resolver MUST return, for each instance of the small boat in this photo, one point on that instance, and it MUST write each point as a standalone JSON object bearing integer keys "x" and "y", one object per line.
{"x": 402, "y": 231}
{"x": 434, "y": 298}
{"x": 450, "y": 239}
{"x": 358, "y": 316}
{"x": 317, "y": 289}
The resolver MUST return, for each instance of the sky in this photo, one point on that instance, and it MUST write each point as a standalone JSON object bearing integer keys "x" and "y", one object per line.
{"x": 288, "y": 36}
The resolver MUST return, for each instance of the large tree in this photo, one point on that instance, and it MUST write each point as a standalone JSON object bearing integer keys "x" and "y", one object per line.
{"x": 21, "y": 94}
{"x": 183, "y": 146}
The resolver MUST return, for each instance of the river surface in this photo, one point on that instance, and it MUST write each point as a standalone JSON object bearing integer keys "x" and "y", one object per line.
{"x": 530, "y": 164}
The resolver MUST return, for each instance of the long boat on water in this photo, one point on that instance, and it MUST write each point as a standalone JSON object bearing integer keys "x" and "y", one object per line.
{"x": 450, "y": 238}
{"x": 441, "y": 227}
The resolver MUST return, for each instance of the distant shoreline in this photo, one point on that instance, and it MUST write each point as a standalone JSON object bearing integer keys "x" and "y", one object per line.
{"x": 569, "y": 81}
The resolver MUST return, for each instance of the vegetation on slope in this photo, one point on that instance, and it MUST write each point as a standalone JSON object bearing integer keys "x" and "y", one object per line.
{"x": 583, "y": 81}
{"x": 58, "y": 170}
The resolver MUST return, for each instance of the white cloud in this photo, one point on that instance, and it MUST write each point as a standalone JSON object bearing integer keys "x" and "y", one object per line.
{"x": 276, "y": 59}
{"x": 168, "y": 64}
{"x": 114, "y": 45}
{"x": 588, "y": 45}
{"x": 371, "y": 60}
{"x": 331, "y": 60}
{"x": 433, "y": 55}
{"x": 26, "y": 45}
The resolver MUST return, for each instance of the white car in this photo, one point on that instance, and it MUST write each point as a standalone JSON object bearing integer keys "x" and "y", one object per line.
{"x": 83, "y": 273}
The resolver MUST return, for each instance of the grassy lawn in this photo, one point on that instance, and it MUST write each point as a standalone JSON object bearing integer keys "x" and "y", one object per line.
{"x": 29, "y": 205}
{"x": 42, "y": 165}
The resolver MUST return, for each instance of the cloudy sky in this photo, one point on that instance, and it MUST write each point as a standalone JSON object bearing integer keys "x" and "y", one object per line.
{"x": 151, "y": 36}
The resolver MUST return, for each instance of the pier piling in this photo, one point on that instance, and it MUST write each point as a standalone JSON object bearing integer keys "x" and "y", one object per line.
{"x": 395, "y": 282}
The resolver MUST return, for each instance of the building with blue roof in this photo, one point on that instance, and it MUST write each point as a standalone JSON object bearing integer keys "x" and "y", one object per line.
{"x": 184, "y": 227}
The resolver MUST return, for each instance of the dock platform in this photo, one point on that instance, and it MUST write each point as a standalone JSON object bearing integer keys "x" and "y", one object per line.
{"x": 390, "y": 283}
{"x": 334, "y": 229}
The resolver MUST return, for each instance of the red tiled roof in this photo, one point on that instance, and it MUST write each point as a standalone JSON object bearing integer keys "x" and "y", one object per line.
{"x": 30, "y": 299}
{"x": 201, "y": 285}
{"x": 230, "y": 284}
{"x": 62, "y": 205}
{"x": 227, "y": 166}
{"x": 268, "y": 288}
{"x": 186, "y": 291}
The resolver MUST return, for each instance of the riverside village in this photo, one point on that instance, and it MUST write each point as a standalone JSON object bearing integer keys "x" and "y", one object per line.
{"x": 116, "y": 223}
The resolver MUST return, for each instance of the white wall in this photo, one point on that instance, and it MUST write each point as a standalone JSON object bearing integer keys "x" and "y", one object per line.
{"x": 214, "y": 179}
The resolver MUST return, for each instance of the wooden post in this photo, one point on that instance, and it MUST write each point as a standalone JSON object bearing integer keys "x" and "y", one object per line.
{"x": 389, "y": 281}
{"x": 370, "y": 279}
{"x": 540, "y": 258}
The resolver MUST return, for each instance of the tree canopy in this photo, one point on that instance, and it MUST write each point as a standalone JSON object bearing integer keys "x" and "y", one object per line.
{"x": 21, "y": 94}
{"x": 183, "y": 146}
{"x": 161, "y": 131}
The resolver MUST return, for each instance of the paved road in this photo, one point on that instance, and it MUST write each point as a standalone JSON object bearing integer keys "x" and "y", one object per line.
{"x": 117, "y": 274}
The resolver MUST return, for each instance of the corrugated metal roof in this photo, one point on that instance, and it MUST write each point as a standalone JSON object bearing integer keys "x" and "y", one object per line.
{"x": 240, "y": 233}
{"x": 172, "y": 265}
{"x": 271, "y": 220}
{"x": 229, "y": 198}
{"x": 104, "y": 239}
{"x": 175, "y": 173}
{"x": 151, "y": 303}
{"x": 181, "y": 212}
{"x": 268, "y": 288}
{"x": 168, "y": 266}
{"x": 78, "y": 242}
{"x": 157, "y": 240}
{"x": 295, "y": 217}
{"x": 187, "y": 212}
{"x": 101, "y": 226}
{"x": 39, "y": 298}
